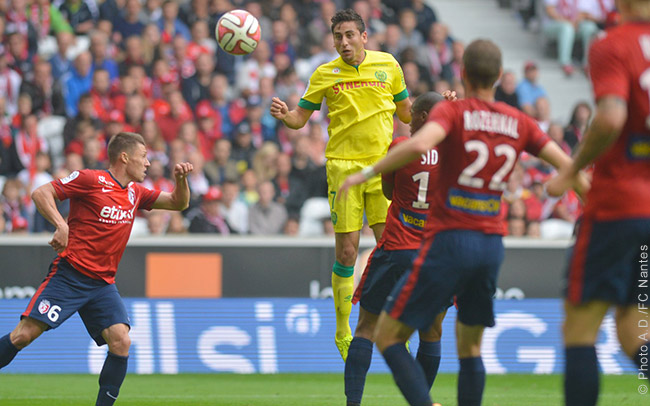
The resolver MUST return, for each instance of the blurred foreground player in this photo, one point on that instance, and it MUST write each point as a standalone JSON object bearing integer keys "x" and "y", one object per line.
{"x": 89, "y": 246}
{"x": 479, "y": 140}
{"x": 411, "y": 190}
{"x": 363, "y": 90}
{"x": 609, "y": 261}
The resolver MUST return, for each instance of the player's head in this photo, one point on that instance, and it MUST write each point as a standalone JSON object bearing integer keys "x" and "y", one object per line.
{"x": 481, "y": 64}
{"x": 634, "y": 9}
{"x": 350, "y": 36}
{"x": 421, "y": 108}
{"x": 128, "y": 151}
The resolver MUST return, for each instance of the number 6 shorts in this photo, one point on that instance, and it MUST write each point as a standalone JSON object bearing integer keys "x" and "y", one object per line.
{"x": 66, "y": 291}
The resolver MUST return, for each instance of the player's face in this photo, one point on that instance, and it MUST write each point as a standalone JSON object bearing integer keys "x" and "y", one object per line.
{"x": 138, "y": 163}
{"x": 418, "y": 118}
{"x": 349, "y": 42}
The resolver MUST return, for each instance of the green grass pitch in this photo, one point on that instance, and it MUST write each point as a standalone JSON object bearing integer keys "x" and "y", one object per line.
{"x": 293, "y": 390}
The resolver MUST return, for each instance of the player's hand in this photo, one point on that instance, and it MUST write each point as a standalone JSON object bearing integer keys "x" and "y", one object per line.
{"x": 560, "y": 183}
{"x": 182, "y": 170}
{"x": 352, "y": 180}
{"x": 582, "y": 184}
{"x": 449, "y": 95}
{"x": 279, "y": 108}
{"x": 59, "y": 240}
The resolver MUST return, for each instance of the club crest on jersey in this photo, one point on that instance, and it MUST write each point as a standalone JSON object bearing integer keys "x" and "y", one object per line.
{"x": 336, "y": 70}
{"x": 131, "y": 195}
{"x": 381, "y": 75}
{"x": 44, "y": 306}
{"x": 103, "y": 181}
{"x": 70, "y": 177}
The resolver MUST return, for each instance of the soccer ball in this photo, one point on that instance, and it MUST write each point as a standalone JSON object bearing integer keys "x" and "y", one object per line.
{"x": 238, "y": 32}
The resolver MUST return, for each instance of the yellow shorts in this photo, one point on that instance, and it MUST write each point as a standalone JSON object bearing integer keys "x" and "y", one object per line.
{"x": 347, "y": 214}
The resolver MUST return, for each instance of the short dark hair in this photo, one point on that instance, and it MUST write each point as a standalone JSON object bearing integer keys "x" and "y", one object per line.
{"x": 348, "y": 15}
{"x": 122, "y": 142}
{"x": 426, "y": 101}
{"x": 482, "y": 61}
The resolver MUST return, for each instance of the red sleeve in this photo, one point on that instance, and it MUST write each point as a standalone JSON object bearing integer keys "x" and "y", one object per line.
{"x": 536, "y": 137}
{"x": 607, "y": 69}
{"x": 149, "y": 197}
{"x": 390, "y": 177}
{"x": 443, "y": 114}
{"x": 76, "y": 184}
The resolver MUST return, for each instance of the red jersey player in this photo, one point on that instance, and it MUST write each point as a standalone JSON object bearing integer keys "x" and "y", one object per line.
{"x": 609, "y": 262}
{"x": 411, "y": 190}
{"x": 479, "y": 141}
{"x": 89, "y": 246}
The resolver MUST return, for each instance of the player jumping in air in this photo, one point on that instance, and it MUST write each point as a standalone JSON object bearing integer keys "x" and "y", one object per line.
{"x": 411, "y": 190}
{"x": 611, "y": 249}
{"x": 363, "y": 90}
{"x": 479, "y": 141}
{"x": 89, "y": 246}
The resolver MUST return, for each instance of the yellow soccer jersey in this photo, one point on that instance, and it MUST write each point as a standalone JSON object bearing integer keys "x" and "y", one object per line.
{"x": 361, "y": 102}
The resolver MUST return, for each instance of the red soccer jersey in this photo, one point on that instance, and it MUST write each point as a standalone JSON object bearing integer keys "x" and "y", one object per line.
{"x": 412, "y": 196}
{"x": 620, "y": 66}
{"x": 481, "y": 148}
{"x": 100, "y": 220}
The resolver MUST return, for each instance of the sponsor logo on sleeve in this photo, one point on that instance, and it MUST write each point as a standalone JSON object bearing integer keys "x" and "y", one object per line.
{"x": 70, "y": 177}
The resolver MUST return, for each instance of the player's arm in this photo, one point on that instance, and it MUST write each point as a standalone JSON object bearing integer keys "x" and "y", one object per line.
{"x": 554, "y": 155}
{"x": 427, "y": 137}
{"x": 403, "y": 110}
{"x": 610, "y": 117}
{"x": 387, "y": 189}
{"x": 45, "y": 198}
{"x": 296, "y": 118}
{"x": 179, "y": 198}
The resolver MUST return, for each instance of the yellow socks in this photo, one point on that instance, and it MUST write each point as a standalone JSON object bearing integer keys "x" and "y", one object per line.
{"x": 343, "y": 286}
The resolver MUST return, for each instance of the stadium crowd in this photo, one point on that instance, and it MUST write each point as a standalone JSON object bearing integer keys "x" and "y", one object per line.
{"x": 75, "y": 72}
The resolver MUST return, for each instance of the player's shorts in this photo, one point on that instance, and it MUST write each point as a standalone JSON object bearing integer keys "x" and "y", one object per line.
{"x": 607, "y": 261}
{"x": 66, "y": 291}
{"x": 381, "y": 274}
{"x": 456, "y": 262}
{"x": 347, "y": 214}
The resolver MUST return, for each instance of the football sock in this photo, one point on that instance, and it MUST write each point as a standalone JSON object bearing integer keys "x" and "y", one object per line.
{"x": 408, "y": 375}
{"x": 342, "y": 287}
{"x": 356, "y": 368}
{"x": 641, "y": 360}
{"x": 471, "y": 381}
{"x": 581, "y": 378}
{"x": 429, "y": 358}
{"x": 7, "y": 351}
{"x": 111, "y": 378}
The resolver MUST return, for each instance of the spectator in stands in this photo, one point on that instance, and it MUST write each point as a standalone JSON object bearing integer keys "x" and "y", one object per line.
{"x": 170, "y": 25}
{"x": 27, "y": 142}
{"x": 267, "y": 217}
{"x": 564, "y": 23}
{"x": 265, "y": 163}
{"x": 202, "y": 38}
{"x": 85, "y": 113}
{"x": 410, "y": 36}
{"x": 258, "y": 66}
{"x": 197, "y": 87}
{"x": 99, "y": 51}
{"x": 196, "y": 10}
{"x": 19, "y": 55}
{"x": 81, "y": 14}
{"x": 602, "y": 12}
{"x": 156, "y": 179}
{"x": 207, "y": 218}
{"x": 46, "y": 18}
{"x": 61, "y": 62}
{"x": 10, "y": 82}
{"x": 45, "y": 92}
{"x": 249, "y": 192}
{"x": 128, "y": 24}
{"x": 556, "y": 132}
{"x": 242, "y": 147}
{"x": 280, "y": 43}
{"x": 507, "y": 89}
{"x": 110, "y": 10}
{"x": 16, "y": 213}
{"x": 94, "y": 154}
{"x": 319, "y": 28}
{"x": 99, "y": 92}
{"x": 221, "y": 167}
{"x": 235, "y": 211}
{"x": 580, "y": 118}
{"x": 172, "y": 114}
{"x": 77, "y": 82}
{"x": 528, "y": 90}
{"x": 425, "y": 16}
{"x": 438, "y": 52}
{"x": 151, "y": 11}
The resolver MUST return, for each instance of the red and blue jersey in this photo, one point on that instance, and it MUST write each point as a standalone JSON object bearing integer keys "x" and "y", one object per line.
{"x": 483, "y": 142}
{"x": 412, "y": 196}
{"x": 620, "y": 66}
{"x": 100, "y": 220}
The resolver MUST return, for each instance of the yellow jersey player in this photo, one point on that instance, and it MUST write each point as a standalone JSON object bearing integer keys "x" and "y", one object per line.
{"x": 363, "y": 90}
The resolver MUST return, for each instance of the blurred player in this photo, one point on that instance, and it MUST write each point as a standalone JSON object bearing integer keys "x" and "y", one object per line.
{"x": 363, "y": 90}
{"x": 479, "y": 140}
{"x": 90, "y": 245}
{"x": 611, "y": 250}
{"x": 411, "y": 190}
